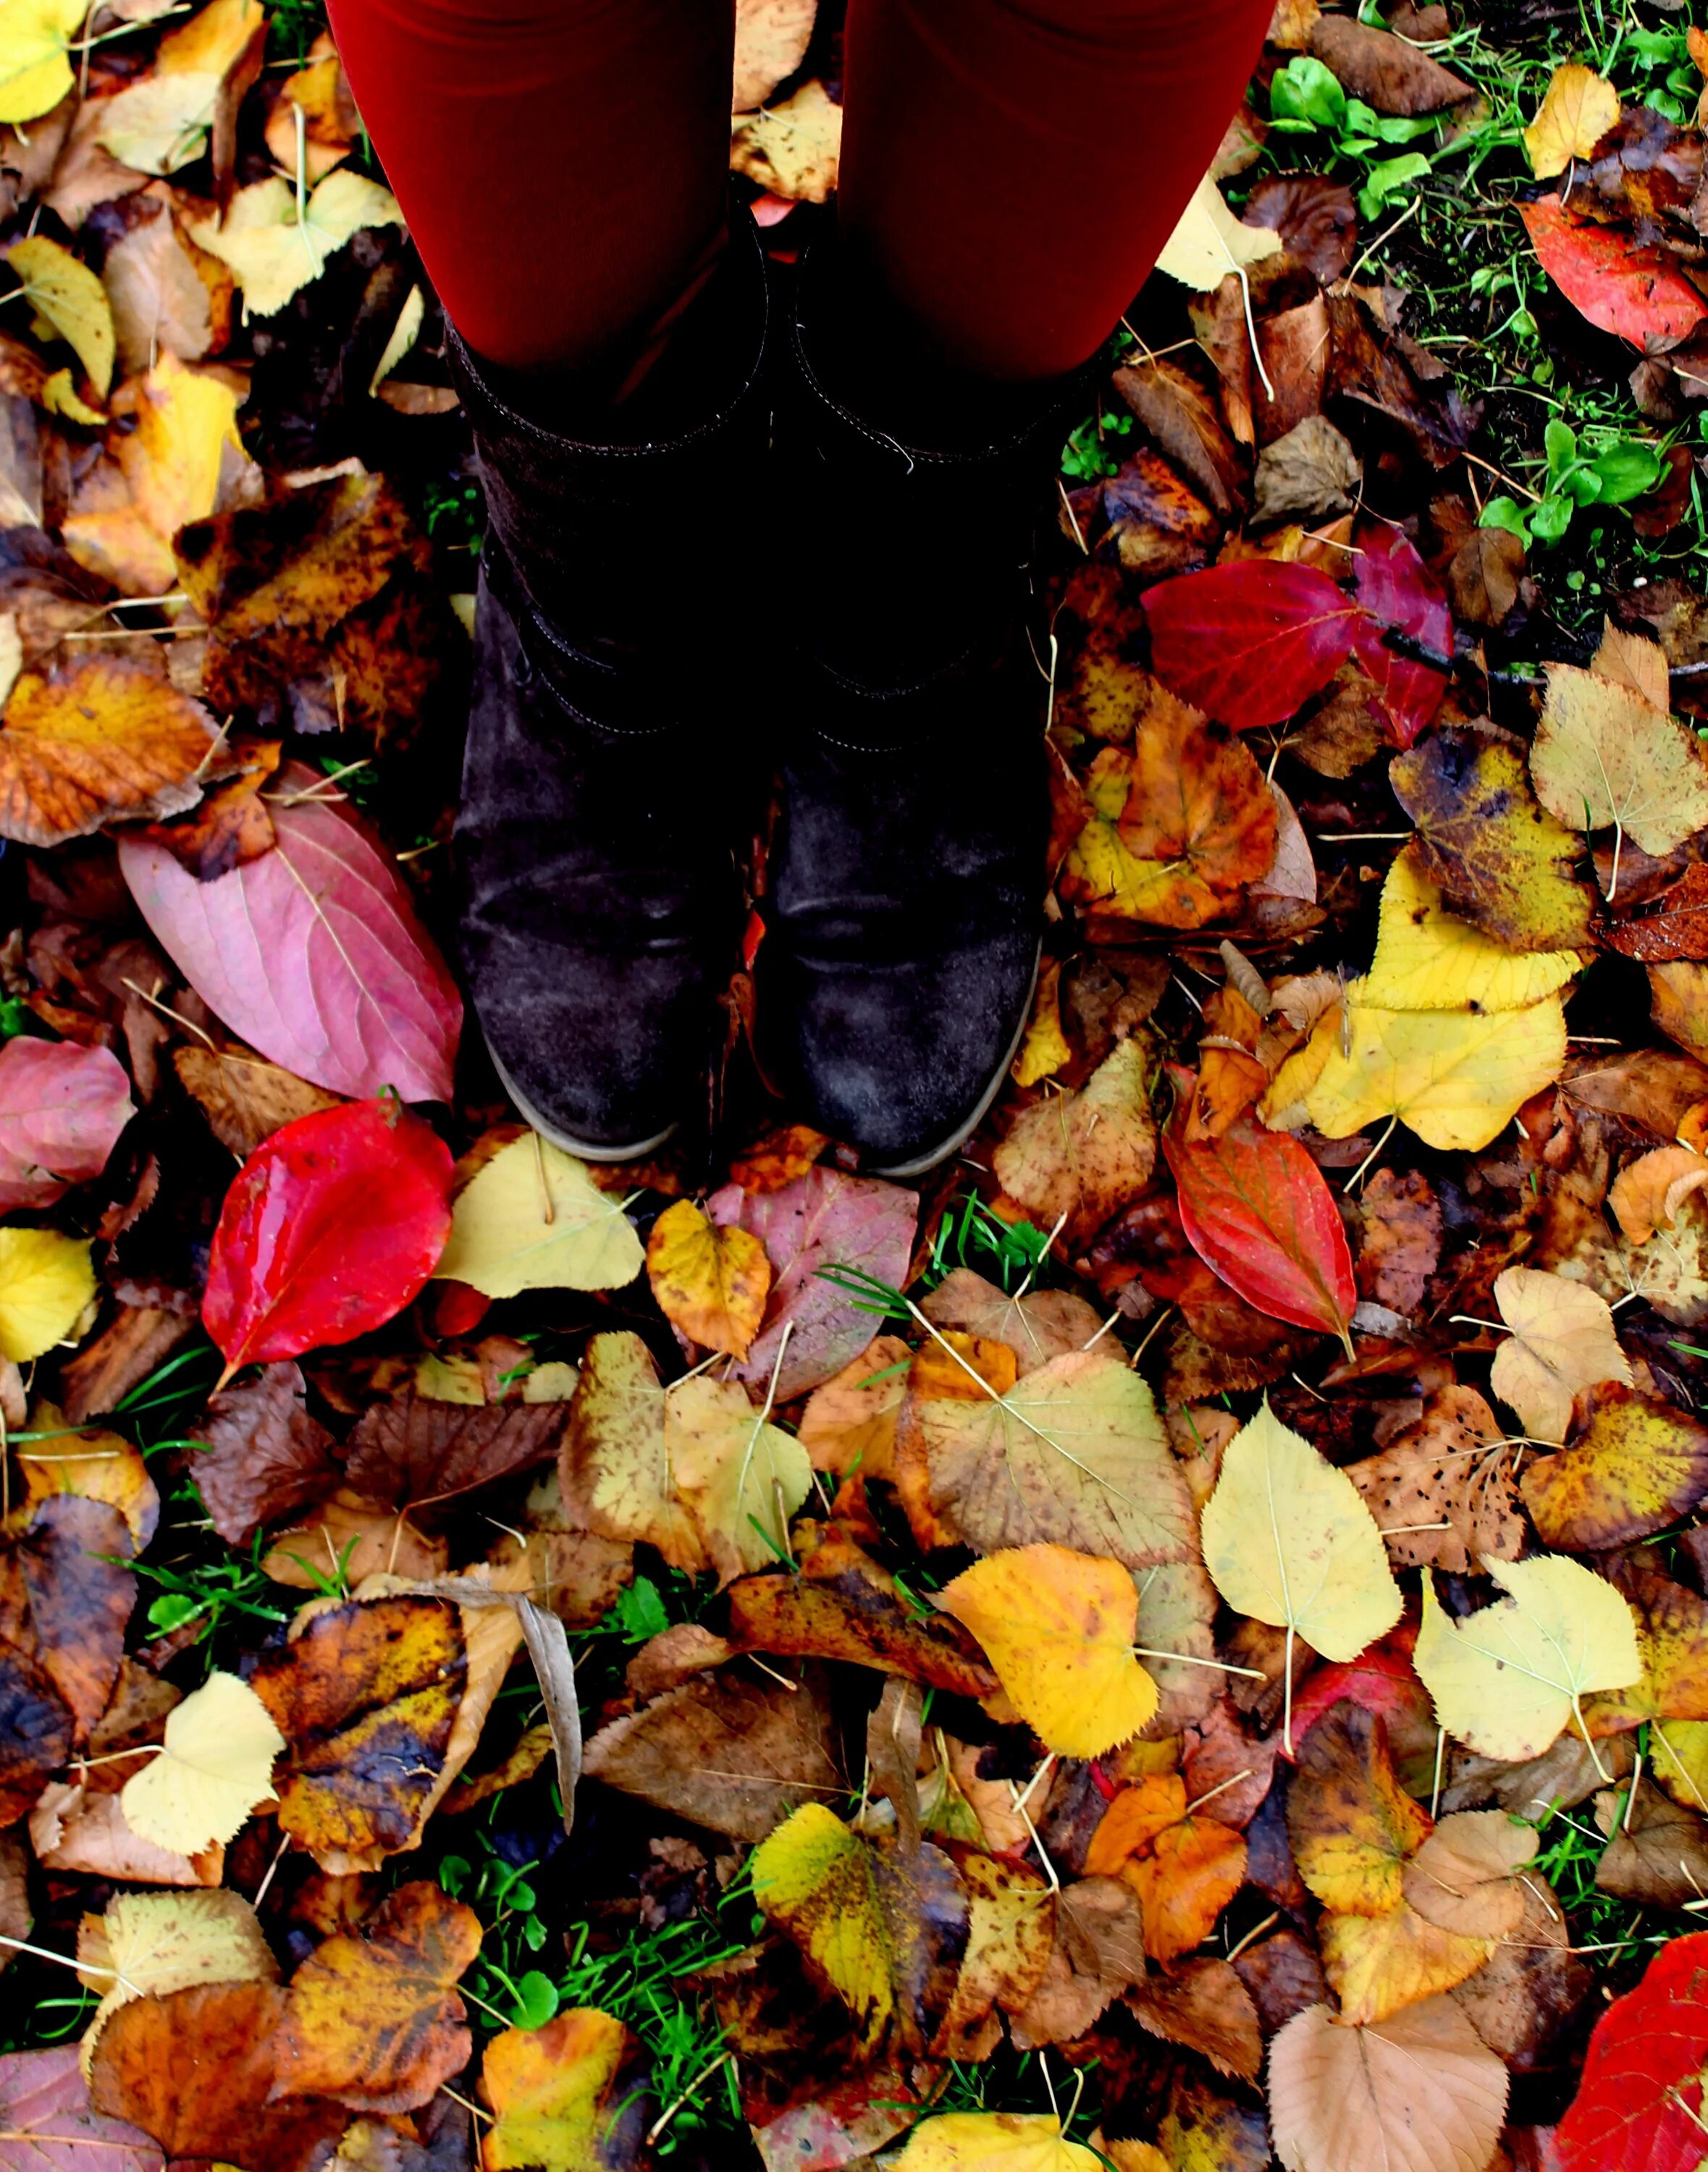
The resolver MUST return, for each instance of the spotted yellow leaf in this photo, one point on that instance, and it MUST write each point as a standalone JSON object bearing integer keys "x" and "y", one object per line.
{"x": 1428, "y": 960}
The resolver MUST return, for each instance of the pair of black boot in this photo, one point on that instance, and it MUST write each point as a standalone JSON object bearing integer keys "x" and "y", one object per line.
{"x": 627, "y": 720}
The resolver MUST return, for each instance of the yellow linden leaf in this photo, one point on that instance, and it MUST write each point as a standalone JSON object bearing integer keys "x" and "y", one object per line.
{"x": 741, "y": 1476}
{"x": 46, "y": 1281}
{"x": 502, "y": 1241}
{"x": 996, "y": 2141}
{"x": 161, "y": 123}
{"x": 1506, "y": 1681}
{"x": 1576, "y": 111}
{"x": 271, "y": 252}
{"x": 1288, "y": 1539}
{"x": 1058, "y": 1627}
{"x": 1376, "y": 1965}
{"x": 35, "y": 73}
{"x": 1604, "y": 755}
{"x": 617, "y": 1475}
{"x": 711, "y": 1283}
{"x": 821, "y": 1883}
{"x": 59, "y": 396}
{"x": 216, "y": 1765}
{"x": 71, "y": 298}
{"x": 1209, "y": 242}
{"x": 184, "y": 420}
{"x": 1454, "y": 1078}
{"x": 1427, "y": 959}
{"x": 1562, "y": 1339}
{"x": 552, "y": 2090}
{"x": 1679, "y": 1758}
{"x": 149, "y": 1944}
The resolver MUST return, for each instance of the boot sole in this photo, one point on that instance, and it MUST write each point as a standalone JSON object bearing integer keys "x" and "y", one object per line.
{"x": 566, "y": 1140}
{"x": 921, "y": 1164}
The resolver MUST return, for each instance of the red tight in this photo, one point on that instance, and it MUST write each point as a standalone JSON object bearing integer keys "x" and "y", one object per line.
{"x": 1010, "y": 167}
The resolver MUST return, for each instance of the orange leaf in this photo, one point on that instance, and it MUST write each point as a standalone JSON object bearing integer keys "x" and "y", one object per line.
{"x": 710, "y": 1282}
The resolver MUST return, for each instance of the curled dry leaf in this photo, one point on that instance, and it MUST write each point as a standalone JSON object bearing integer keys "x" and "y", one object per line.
{"x": 1649, "y": 1191}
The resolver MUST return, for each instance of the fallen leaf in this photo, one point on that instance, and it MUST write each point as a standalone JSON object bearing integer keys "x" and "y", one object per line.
{"x": 791, "y": 148}
{"x": 330, "y": 123}
{"x": 158, "y": 297}
{"x": 1385, "y": 71}
{"x": 414, "y": 1452}
{"x": 244, "y": 1098}
{"x": 1603, "y": 754}
{"x": 1639, "y": 2099}
{"x": 1506, "y": 1681}
{"x": 849, "y": 1424}
{"x": 1035, "y": 1324}
{"x": 45, "y": 1282}
{"x": 35, "y": 71}
{"x": 567, "y": 2096}
{"x": 740, "y": 1477}
{"x": 371, "y": 2018}
{"x": 1637, "y": 1465}
{"x": 1058, "y": 1627}
{"x": 823, "y": 1219}
{"x": 1084, "y": 1155}
{"x": 1247, "y": 642}
{"x": 1578, "y": 109}
{"x": 1635, "y": 294}
{"x": 531, "y": 1217}
{"x": 331, "y": 1227}
{"x": 710, "y": 1282}
{"x": 1258, "y": 1211}
{"x": 314, "y": 953}
{"x": 1378, "y": 1966}
{"x": 1193, "y": 1869}
{"x": 75, "y": 1597}
{"x": 1395, "y": 586}
{"x": 73, "y": 300}
{"x": 1198, "y": 818}
{"x": 617, "y": 1469}
{"x": 1677, "y": 927}
{"x": 36, "y": 1732}
{"x": 1659, "y": 1858}
{"x": 1673, "y": 1643}
{"x": 1428, "y": 960}
{"x": 62, "y": 1111}
{"x": 1073, "y": 1454}
{"x": 1527, "y": 1994}
{"x": 841, "y": 1605}
{"x": 1351, "y": 1824}
{"x": 216, "y": 1767}
{"x": 1011, "y": 1935}
{"x": 772, "y": 37}
{"x": 276, "y": 246}
{"x": 1465, "y": 1878}
{"x": 1444, "y": 1491}
{"x": 44, "y": 2106}
{"x": 1562, "y": 1341}
{"x": 1288, "y": 1541}
{"x": 145, "y": 1944}
{"x": 264, "y": 1456}
{"x": 1208, "y": 241}
{"x": 108, "y": 738}
{"x": 1422, "y": 2086}
{"x": 1206, "y": 2007}
{"x": 1099, "y": 1952}
{"x": 995, "y": 2142}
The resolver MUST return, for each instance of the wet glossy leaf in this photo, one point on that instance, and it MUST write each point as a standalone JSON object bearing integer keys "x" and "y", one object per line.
{"x": 1248, "y": 642}
{"x": 1634, "y": 293}
{"x": 1638, "y": 2106}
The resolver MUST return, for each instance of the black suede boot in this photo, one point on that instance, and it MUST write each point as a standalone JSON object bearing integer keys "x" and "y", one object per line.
{"x": 603, "y": 783}
{"x": 906, "y": 876}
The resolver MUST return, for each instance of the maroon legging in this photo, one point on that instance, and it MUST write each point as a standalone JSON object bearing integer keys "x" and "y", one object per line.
{"x": 1010, "y": 168}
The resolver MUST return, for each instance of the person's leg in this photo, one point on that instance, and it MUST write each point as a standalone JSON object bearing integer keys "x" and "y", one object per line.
{"x": 562, "y": 165}
{"x": 1011, "y": 168}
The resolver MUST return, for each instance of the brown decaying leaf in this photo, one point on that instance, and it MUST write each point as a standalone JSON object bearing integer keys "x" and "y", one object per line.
{"x": 1444, "y": 1491}
{"x": 1099, "y": 1953}
{"x": 1205, "y": 2007}
{"x": 1659, "y": 1857}
{"x": 104, "y": 740}
{"x": 413, "y": 1452}
{"x": 265, "y": 1456}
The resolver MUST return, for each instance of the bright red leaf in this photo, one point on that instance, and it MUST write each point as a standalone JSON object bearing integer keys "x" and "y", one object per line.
{"x": 1258, "y": 1213}
{"x": 1248, "y": 641}
{"x": 62, "y": 1111}
{"x": 313, "y": 953}
{"x": 1394, "y": 584}
{"x": 1639, "y": 2107}
{"x": 1635, "y": 292}
{"x": 331, "y": 1227}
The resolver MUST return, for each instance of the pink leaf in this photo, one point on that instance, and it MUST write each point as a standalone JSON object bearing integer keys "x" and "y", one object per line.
{"x": 1248, "y": 642}
{"x": 823, "y": 1219}
{"x": 313, "y": 953}
{"x": 62, "y": 1111}
{"x": 1395, "y": 583}
{"x": 48, "y": 2125}
{"x": 1634, "y": 293}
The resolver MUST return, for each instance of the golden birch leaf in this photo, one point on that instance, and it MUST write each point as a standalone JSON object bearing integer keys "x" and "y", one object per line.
{"x": 1208, "y": 242}
{"x": 71, "y": 298}
{"x": 1428, "y": 960}
{"x": 46, "y": 1281}
{"x": 1376, "y": 1965}
{"x": 1578, "y": 109}
{"x": 1505, "y": 1681}
{"x": 1562, "y": 1339}
{"x": 35, "y": 71}
{"x": 271, "y": 252}
{"x": 617, "y": 1470}
{"x": 1422, "y": 2093}
{"x": 1603, "y": 756}
{"x": 710, "y": 1282}
{"x": 996, "y": 2141}
{"x": 1058, "y": 1627}
{"x": 741, "y": 1476}
{"x": 217, "y": 1767}
{"x": 1288, "y": 1539}
{"x": 502, "y": 1241}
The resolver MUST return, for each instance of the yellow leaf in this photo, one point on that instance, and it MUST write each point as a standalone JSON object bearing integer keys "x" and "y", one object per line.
{"x": 1351, "y": 1824}
{"x": 94, "y": 1465}
{"x": 185, "y": 419}
{"x": 71, "y": 298}
{"x": 1378, "y": 1964}
{"x": 46, "y": 1281}
{"x": 1209, "y": 242}
{"x": 35, "y": 73}
{"x": 1679, "y": 1758}
{"x": 995, "y": 2142}
{"x": 1506, "y": 1681}
{"x": 1562, "y": 1339}
{"x": 147, "y": 1945}
{"x": 502, "y": 1241}
{"x": 711, "y": 1283}
{"x": 1454, "y": 1078}
{"x": 1287, "y": 1539}
{"x": 212, "y": 41}
{"x": 793, "y": 148}
{"x": 159, "y": 124}
{"x": 551, "y": 2088}
{"x": 216, "y": 1765}
{"x": 617, "y": 1472}
{"x": 741, "y": 1476}
{"x": 271, "y": 253}
{"x": 1058, "y": 1627}
{"x": 1576, "y": 111}
{"x": 1046, "y": 1047}
{"x": 105, "y": 741}
{"x": 1604, "y": 755}
{"x": 59, "y": 396}
{"x": 1427, "y": 959}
